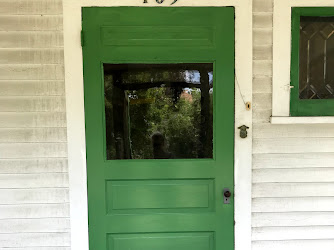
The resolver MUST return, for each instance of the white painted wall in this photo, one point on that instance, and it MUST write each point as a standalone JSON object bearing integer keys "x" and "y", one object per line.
{"x": 34, "y": 200}
{"x": 293, "y": 164}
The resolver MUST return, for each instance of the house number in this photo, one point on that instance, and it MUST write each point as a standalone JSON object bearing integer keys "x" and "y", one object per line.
{"x": 161, "y": 1}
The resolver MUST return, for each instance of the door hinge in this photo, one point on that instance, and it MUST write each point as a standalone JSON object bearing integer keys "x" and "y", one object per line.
{"x": 82, "y": 39}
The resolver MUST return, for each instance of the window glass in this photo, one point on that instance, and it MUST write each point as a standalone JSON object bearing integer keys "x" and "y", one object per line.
{"x": 159, "y": 111}
{"x": 316, "y": 58}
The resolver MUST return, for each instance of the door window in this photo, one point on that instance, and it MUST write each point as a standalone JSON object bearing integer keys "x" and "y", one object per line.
{"x": 159, "y": 111}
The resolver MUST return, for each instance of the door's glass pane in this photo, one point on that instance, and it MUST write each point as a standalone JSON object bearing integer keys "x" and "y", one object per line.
{"x": 316, "y": 58}
{"x": 159, "y": 111}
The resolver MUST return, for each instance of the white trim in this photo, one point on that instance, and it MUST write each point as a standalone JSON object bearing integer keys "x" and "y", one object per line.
{"x": 302, "y": 120}
{"x": 282, "y": 51}
{"x": 76, "y": 119}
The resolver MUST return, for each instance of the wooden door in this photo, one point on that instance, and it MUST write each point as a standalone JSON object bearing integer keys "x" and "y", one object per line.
{"x": 159, "y": 107}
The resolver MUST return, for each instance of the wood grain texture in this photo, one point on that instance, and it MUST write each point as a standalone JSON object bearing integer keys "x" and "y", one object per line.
{"x": 327, "y": 244}
{"x": 293, "y": 219}
{"x": 52, "y": 225}
{"x": 33, "y": 166}
{"x": 33, "y": 135}
{"x": 35, "y": 240}
{"x": 31, "y": 22}
{"x": 19, "y": 211}
{"x": 32, "y": 119}
{"x": 299, "y": 160}
{"x": 29, "y": 7}
{"x": 31, "y": 56}
{"x": 32, "y": 88}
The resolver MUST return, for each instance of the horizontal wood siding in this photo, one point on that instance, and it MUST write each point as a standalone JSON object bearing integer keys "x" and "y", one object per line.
{"x": 34, "y": 199}
{"x": 293, "y": 165}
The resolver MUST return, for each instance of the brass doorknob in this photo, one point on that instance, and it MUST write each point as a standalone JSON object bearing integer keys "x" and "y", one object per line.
{"x": 227, "y": 194}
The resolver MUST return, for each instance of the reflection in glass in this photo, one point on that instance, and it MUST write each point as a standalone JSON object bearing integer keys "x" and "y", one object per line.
{"x": 159, "y": 111}
{"x": 316, "y": 58}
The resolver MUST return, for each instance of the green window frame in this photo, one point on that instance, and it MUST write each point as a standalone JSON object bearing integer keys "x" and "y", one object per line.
{"x": 305, "y": 107}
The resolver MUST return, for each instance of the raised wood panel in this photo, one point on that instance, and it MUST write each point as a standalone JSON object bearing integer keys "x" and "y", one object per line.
{"x": 50, "y": 225}
{"x": 292, "y": 189}
{"x": 291, "y": 145}
{"x": 33, "y": 135}
{"x": 262, "y": 85}
{"x": 263, "y": 52}
{"x": 262, "y": 6}
{"x": 295, "y": 204}
{"x": 32, "y": 150}
{"x": 31, "y": 7}
{"x": 31, "y": 39}
{"x": 302, "y": 160}
{"x": 19, "y": 211}
{"x": 32, "y": 166}
{"x": 263, "y": 68}
{"x": 31, "y": 56}
{"x": 262, "y": 101}
{"x": 292, "y": 219}
{"x": 32, "y": 72}
{"x": 32, "y": 119}
{"x": 293, "y": 233}
{"x": 32, "y": 104}
{"x": 33, "y": 196}
{"x": 31, "y": 22}
{"x": 34, "y": 240}
{"x": 301, "y": 131}
{"x": 262, "y": 37}
{"x": 32, "y": 88}
{"x": 263, "y": 20}
{"x": 47, "y": 180}
{"x": 294, "y": 245}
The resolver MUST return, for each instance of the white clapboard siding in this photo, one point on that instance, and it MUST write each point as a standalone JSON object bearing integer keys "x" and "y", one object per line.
{"x": 36, "y": 248}
{"x": 292, "y": 190}
{"x": 264, "y": 6}
{"x": 263, "y": 20}
{"x": 327, "y": 244}
{"x": 262, "y": 101}
{"x": 32, "y": 150}
{"x": 32, "y": 88}
{"x": 293, "y": 219}
{"x": 262, "y": 67}
{"x": 34, "y": 240}
{"x": 302, "y": 160}
{"x": 33, "y": 135}
{"x": 31, "y": 56}
{"x": 33, "y": 196}
{"x": 52, "y": 225}
{"x": 31, "y": 22}
{"x": 293, "y": 145}
{"x": 279, "y": 131}
{"x": 33, "y": 166}
{"x": 262, "y": 85}
{"x": 293, "y": 233}
{"x": 36, "y": 211}
{"x": 31, "y": 39}
{"x": 309, "y": 175}
{"x": 32, "y": 72}
{"x": 263, "y": 52}
{"x": 262, "y": 37}
{"x": 47, "y": 180}
{"x": 293, "y": 204}
{"x": 32, "y": 104}
{"x": 30, "y": 7}
{"x": 261, "y": 116}
{"x": 32, "y": 119}
{"x": 34, "y": 201}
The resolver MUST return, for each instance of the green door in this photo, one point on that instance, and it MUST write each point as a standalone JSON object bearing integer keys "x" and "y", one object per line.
{"x": 159, "y": 107}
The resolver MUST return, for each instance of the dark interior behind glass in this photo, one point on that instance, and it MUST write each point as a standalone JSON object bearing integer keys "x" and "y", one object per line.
{"x": 159, "y": 111}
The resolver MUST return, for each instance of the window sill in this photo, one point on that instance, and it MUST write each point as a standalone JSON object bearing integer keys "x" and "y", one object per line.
{"x": 302, "y": 120}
